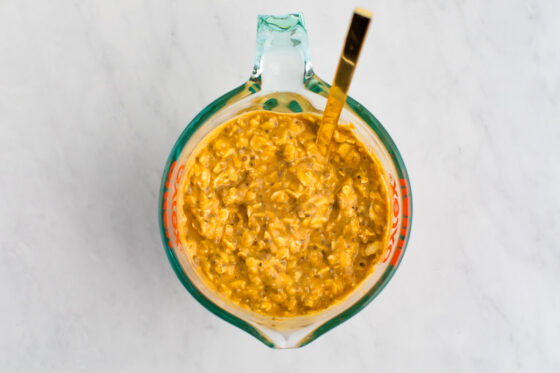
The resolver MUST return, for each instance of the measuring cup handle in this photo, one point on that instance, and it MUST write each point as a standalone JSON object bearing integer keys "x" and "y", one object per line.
{"x": 282, "y": 58}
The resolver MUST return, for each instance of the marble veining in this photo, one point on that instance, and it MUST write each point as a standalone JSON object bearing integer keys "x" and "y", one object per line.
{"x": 94, "y": 94}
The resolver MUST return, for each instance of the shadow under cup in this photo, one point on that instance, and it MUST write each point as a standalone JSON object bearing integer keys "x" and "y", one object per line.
{"x": 308, "y": 96}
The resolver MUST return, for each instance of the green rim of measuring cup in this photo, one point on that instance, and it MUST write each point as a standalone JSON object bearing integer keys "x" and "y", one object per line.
{"x": 317, "y": 86}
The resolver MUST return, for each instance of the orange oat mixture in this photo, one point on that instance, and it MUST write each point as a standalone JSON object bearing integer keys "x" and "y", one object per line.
{"x": 275, "y": 226}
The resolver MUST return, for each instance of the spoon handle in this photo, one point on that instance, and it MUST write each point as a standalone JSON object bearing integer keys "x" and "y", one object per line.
{"x": 346, "y": 66}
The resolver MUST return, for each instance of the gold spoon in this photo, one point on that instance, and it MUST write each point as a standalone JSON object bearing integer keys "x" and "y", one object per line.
{"x": 346, "y": 66}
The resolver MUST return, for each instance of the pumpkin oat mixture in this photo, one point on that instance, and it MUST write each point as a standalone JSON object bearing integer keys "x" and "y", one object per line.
{"x": 275, "y": 226}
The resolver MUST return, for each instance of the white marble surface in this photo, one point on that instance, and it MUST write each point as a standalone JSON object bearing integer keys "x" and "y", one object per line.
{"x": 94, "y": 94}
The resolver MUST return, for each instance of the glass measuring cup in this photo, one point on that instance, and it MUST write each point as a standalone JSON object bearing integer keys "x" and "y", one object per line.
{"x": 283, "y": 81}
